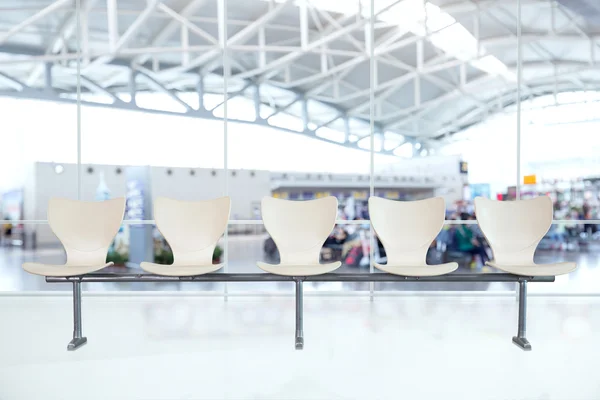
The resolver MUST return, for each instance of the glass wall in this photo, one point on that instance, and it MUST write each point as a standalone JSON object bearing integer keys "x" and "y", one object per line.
{"x": 298, "y": 99}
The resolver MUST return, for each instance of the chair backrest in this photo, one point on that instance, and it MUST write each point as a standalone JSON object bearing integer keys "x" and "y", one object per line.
{"x": 407, "y": 228}
{"x": 85, "y": 228}
{"x": 299, "y": 228}
{"x": 192, "y": 228}
{"x": 514, "y": 228}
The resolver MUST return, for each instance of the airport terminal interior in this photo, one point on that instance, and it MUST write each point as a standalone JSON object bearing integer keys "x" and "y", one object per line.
{"x": 300, "y": 100}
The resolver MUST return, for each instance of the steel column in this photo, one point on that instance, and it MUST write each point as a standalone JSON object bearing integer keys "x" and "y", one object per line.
{"x": 132, "y": 85}
{"x": 78, "y": 338}
{"x": 520, "y": 340}
{"x": 257, "y": 101}
{"x": 200, "y": 91}
{"x": 305, "y": 116}
{"x": 299, "y": 315}
{"x": 48, "y": 76}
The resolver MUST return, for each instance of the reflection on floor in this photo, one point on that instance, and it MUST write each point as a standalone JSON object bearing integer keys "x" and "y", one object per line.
{"x": 173, "y": 347}
{"x": 244, "y": 251}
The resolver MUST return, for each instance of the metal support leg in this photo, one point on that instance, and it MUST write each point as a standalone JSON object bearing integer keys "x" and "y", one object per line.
{"x": 78, "y": 339}
{"x": 520, "y": 340}
{"x": 299, "y": 315}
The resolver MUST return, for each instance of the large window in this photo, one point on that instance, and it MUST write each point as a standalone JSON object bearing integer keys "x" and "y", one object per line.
{"x": 298, "y": 99}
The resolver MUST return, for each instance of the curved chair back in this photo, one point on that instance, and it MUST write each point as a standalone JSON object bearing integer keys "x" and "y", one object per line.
{"x": 299, "y": 228}
{"x": 514, "y": 228}
{"x": 192, "y": 228}
{"x": 85, "y": 228}
{"x": 407, "y": 228}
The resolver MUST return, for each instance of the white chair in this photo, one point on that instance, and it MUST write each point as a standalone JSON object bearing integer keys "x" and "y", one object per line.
{"x": 86, "y": 230}
{"x": 513, "y": 230}
{"x": 406, "y": 230}
{"x": 299, "y": 229}
{"x": 192, "y": 229}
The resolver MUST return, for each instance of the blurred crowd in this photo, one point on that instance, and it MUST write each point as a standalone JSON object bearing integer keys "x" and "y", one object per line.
{"x": 463, "y": 243}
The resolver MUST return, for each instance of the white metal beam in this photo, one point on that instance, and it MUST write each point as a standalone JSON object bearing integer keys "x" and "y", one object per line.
{"x": 156, "y": 85}
{"x": 97, "y": 88}
{"x": 12, "y": 82}
{"x": 316, "y": 77}
{"x": 59, "y": 41}
{"x": 185, "y": 44}
{"x": 240, "y": 37}
{"x": 117, "y": 43}
{"x": 112, "y": 18}
{"x": 303, "y": 24}
{"x": 185, "y": 22}
{"x": 415, "y": 112}
{"x": 165, "y": 33}
{"x": 262, "y": 54}
{"x": 126, "y": 37}
{"x": 532, "y": 37}
{"x": 469, "y": 6}
{"x": 480, "y": 113}
{"x": 390, "y": 39}
{"x": 334, "y": 24}
{"x": 287, "y": 59}
{"x": 399, "y": 80}
{"x": 33, "y": 19}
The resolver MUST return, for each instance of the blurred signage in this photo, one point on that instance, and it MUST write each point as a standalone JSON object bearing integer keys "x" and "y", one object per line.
{"x": 280, "y": 195}
{"x": 319, "y": 195}
{"x": 530, "y": 179}
{"x": 464, "y": 167}
{"x": 360, "y": 194}
{"x": 392, "y": 195}
{"x": 308, "y": 195}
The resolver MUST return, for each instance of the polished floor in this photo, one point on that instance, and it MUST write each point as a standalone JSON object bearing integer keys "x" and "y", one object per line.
{"x": 149, "y": 347}
{"x": 244, "y": 251}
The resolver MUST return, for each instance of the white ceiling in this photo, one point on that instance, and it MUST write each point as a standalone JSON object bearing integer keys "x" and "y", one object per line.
{"x": 424, "y": 89}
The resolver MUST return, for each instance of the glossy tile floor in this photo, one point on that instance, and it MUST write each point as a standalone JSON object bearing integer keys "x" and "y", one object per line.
{"x": 201, "y": 348}
{"x": 244, "y": 251}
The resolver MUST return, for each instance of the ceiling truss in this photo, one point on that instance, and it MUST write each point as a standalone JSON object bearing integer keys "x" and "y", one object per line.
{"x": 123, "y": 58}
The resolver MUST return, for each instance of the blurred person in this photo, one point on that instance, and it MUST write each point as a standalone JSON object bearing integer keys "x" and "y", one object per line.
{"x": 585, "y": 210}
{"x": 571, "y": 228}
{"x": 338, "y": 236}
{"x": 468, "y": 243}
{"x": 588, "y": 214}
{"x": 332, "y": 248}
{"x": 356, "y": 248}
{"x": 559, "y": 236}
{"x": 475, "y": 228}
{"x": 558, "y": 232}
{"x": 7, "y": 229}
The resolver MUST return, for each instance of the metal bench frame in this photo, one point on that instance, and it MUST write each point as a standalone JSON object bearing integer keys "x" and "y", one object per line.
{"x": 79, "y": 340}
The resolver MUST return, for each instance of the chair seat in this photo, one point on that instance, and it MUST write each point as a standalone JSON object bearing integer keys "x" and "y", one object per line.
{"x": 536, "y": 269}
{"x": 418, "y": 270}
{"x": 299, "y": 270}
{"x": 62, "y": 270}
{"x": 179, "y": 270}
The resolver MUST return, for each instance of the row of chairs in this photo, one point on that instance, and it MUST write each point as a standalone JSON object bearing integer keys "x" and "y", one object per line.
{"x": 299, "y": 229}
